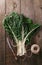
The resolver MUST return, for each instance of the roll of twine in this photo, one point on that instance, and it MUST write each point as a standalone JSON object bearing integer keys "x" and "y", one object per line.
{"x": 35, "y": 49}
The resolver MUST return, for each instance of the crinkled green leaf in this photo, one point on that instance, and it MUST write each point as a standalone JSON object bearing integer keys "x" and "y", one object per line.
{"x": 16, "y": 21}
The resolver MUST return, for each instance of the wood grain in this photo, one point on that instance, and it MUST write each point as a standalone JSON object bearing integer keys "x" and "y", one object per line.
{"x": 38, "y": 11}
{"x": 27, "y": 8}
{"x": 2, "y": 33}
{"x": 38, "y": 36}
{"x": 31, "y": 9}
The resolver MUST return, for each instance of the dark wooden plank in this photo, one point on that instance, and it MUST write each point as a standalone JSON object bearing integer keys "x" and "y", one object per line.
{"x": 11, "y": 5}
{"x": 38, "y": 11}
{"x": 2, "y": 33}
{"x": 17, "y": 6}
{"x": 28, "y": 11}
{"x": 38, "y": 36}
{"x": 27, "y": 8}
{"x": 38, "y": 19}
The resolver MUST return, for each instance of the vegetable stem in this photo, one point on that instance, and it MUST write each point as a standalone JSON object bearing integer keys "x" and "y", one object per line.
{"x": 22, "y": 32}
{"x": 16, "y": 40}
{"x": 29, "y": 34}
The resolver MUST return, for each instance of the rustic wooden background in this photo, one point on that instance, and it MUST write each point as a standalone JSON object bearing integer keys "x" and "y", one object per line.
{"x": 31, "y": 9}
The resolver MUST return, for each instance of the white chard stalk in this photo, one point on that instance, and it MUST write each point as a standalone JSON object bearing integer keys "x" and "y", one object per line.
{"x": 21, "y": 50}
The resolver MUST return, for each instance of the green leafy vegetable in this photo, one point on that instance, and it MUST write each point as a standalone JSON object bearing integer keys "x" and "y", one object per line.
{"x": 19, "y": 27}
